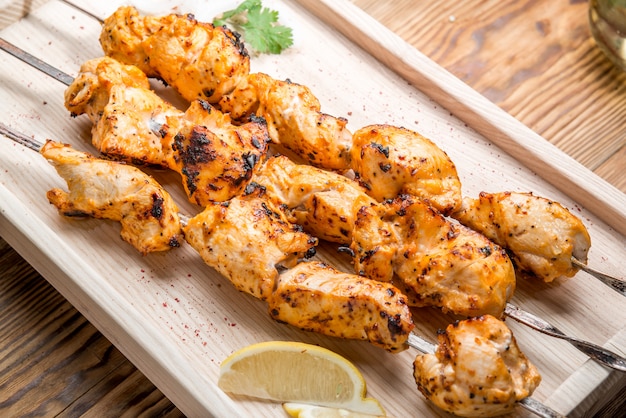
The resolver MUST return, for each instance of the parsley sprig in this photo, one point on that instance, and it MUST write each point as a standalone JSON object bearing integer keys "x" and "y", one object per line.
{"x": 258, "y": 26}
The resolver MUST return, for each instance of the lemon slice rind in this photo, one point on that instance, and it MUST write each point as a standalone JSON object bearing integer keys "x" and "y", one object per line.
{"x": 301, "y": 410}
{"x": 300, "y": 373}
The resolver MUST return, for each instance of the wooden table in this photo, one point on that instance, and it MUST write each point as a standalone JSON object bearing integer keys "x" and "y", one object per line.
{"x": 534, "y": 59}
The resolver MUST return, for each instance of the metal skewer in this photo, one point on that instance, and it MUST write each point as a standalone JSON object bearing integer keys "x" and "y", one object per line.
{"x": 614, "y": 283}
{"x": 528, "y": 403}
{"x": 598, "y": 353}
{"x": 36, "y": 62}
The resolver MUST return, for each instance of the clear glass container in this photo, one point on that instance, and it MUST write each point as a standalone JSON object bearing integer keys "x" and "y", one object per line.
{"x": 607, "y": 20}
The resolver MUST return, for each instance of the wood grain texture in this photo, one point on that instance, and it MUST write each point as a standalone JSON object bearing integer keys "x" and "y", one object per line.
{"x": 54, "y": 362}
{"x": 502, "y": 129}
{"x": 534, "y": 59}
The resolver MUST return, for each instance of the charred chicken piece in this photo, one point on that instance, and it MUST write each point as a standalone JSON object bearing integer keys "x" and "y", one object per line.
{"x": 541, "y": 235}
{"x": 325, "y": 203}
{"x": 294, "y": 120}
{"x": 478, "y": 369}
{"x": 215, "y": 158}
{"x": 316, "y": 297}
{"x": 389, "y": 161}
{"x": 111, "y": 190}
{"x": 246, "y": 240}
{"x": 435, "y": 261}
{"x": 197, "y": 59}
{"x": 132, "y": 126}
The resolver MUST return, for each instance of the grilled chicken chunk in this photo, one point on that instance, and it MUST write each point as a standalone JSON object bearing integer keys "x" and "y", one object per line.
{"x": 323, "y": 202}
{"x": 215, "y": 158}
{"x": 433, "y": 260}
{"x": 478, "y": 370}
{"x": 294, "y": 120}
{"x": 541, "y": 235}
{"x": 316, "y": 297}
{"x": 199, "y": 60}
{"x": 246, "y": 240}
{"x": 129, "y": 120}
{"x": 112, "y": 190}
{"x": 389, "y": 161}
{"x": 132, "y": 126}
{"x": 90, "y": 91}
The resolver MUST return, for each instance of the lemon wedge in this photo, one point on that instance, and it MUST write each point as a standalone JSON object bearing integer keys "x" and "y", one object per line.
{"x": 287, "y": 371}
{"x": 303, "y": 410}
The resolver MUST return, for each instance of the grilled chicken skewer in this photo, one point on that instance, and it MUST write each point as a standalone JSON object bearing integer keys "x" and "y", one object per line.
{"x": 286, "y": 246}
{"x": 111, "y": 190}
{"x": 132, "y": 123}
{"x": 30, "y": 60}
{"x": 214, "y": 66}
{"x": 477, "y": 369}
{"x": 435, "y": 262}
{"x": 294, "y": 120}
{"x": 199, "y": 60}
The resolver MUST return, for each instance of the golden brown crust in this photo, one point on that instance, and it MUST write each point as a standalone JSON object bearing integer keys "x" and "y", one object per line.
{"x": 323, "y": 202}
{"x": 541, "y": 235}
{"x": 246, "y": 240}
{"x": 110, "y": 190}
{"x": 294, "y": 120}
{"x": 389, "y": 161}
{"x": 477, "y": 371}
{"x": 435, "y": 261}
{"x": 215, "y": 158}
{"x": 316, "y": 297}
{"x": 197, "y": 59}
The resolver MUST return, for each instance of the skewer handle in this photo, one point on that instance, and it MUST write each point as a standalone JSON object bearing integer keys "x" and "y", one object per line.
{"x": 596, "y": 352}
{"x": 616, "y": 284}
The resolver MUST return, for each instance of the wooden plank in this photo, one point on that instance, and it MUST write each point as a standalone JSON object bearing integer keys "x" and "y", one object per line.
{"x": 176, "y": 319}
{"x": 537, "y": 62}
{"x": 53, "y": 361}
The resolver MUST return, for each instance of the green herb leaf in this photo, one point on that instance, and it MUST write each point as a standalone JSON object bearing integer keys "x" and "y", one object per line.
{"x": 258, "y": 26}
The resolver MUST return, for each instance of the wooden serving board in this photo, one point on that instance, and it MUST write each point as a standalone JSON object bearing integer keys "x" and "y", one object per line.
{"x": 176, "y": 319}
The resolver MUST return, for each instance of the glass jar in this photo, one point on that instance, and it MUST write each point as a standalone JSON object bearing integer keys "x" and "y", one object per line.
{"x": 607, "y": 20}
